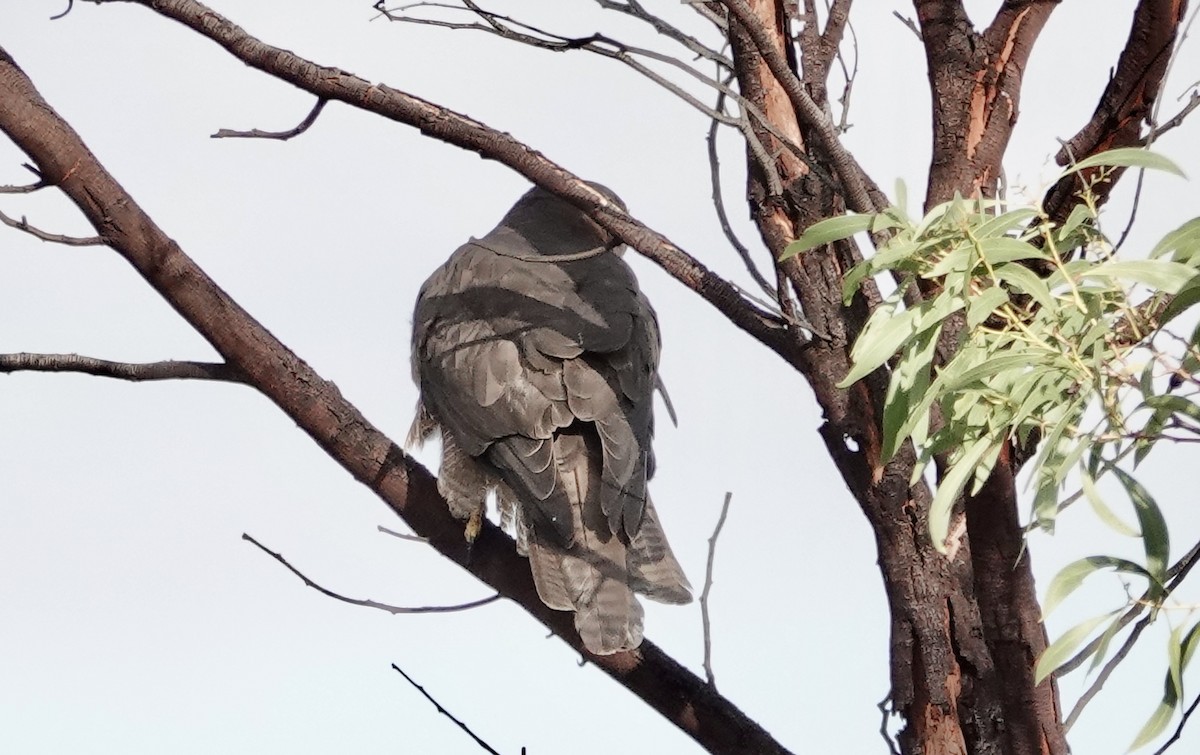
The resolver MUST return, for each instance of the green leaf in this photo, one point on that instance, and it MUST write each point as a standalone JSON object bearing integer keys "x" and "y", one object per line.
{"x": 827, "y": 231}
{"x": 1007, "y": 249}
{"x": 1175, "y": 405}
{"x": 1179, "y": 654}
{"x": 980, "y": 308}
{"x": 1127, "y": 157}
{"x": 1156, "y": 724}
{"x": 907, "y": 391}
{"x": 1185, "y": 298}
{"x": 1162, "y": 275}
{"x": 951, "y": 485}
{"x": 1028, "y": 282}
{"x": 1155, "y": 537}
{"x": 1002, "y": 224}
{"x": 1071, "y": 576}
{"x": 1102, "y": 647}
{"x": 1102, "y": 510}
{"x": 1080, "y": 214}
{"x": 1185, "y": 239}
{"x": 886, "y": 332}
{"x": 993, "y": 366}
{"x": 1061, "y": 650}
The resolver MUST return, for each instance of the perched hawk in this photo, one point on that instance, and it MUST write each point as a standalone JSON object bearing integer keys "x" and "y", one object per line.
{"x": 536, "y": 356}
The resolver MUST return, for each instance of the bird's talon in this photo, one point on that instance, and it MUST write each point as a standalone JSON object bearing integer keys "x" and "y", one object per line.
{"x": 474, "y": 526}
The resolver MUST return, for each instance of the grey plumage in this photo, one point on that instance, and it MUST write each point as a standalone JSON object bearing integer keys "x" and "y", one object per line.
{"x": 536, "y": 355}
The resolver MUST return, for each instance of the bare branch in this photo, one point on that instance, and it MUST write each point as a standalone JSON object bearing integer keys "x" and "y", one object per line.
{"x": 453, "y": 128}
{"x": 708, "y": 583}
{"x": 912, "y": 25}
{"x": 635, "y": 9}
{"x": 714, "y": 165}
{"x": 369, "y": 603}
{"x": 255, "y": 133}
{"x": 885, "y": 713}
{"x": 70, "y": 5}
{"x": 316, "y": 405}
{"x": 57, "y": 238}
{"x": 486, "y": 747}
{"x": 1110, "y": 666}
{"x": 25, "y": 189}
{"x": 1175, "y": 121}
{"x": 402, "y": 535}
{"x": 134, "y": 372}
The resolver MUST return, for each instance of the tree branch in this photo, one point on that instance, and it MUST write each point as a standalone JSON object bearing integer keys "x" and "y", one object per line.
{"x": 139, "y": 372}
{"x": 486, "y": 747}
{"x": 462, "y": 131}
{"x": 1126, "y": 103}
{"x": 37, "y": 233}
{"x": 708, "y": 583}
{"x": 853, "y": 187}
{"x": 255, "y": 133}
{"x": 316, "y": 405}
{"x": 394, "y": 610}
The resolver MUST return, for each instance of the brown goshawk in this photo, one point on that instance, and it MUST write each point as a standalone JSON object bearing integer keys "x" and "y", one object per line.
{"x": 536, "y": 355}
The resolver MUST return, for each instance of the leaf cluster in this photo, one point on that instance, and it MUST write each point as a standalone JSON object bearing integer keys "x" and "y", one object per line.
{"x": 1032, "y": 335}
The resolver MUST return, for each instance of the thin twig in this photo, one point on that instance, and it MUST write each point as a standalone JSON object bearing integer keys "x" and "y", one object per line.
{"x": 714, "y": 164}
{"x": 1098, "y": 683}
{"x": 849, "y": 75}
{"x": 886, "y": 713}
{"x": 402, "y": 535}
{"x": 26, "y": 189}
{"x": 1179, "y": 729}
{"x": 57, "y": 238}
{"x": 912, "y": 25}
{"x": 1176, "y": 121}
{"x": 70, "y": 5}
{"x": 599, "y": 44}
{"x": 370, "y": 603}
{"x": 134, "y": 372}
{"x": 1175, "y": 575}
{"x": 446, "y": 713}
{"x": 708, "y": 582}
{"x": 255, "y": 133}
{"x": 636, "y": 10}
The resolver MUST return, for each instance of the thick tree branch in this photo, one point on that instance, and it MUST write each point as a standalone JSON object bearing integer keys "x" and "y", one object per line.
{"x": 462, "y": 131}
{"x": 853, "y": 182}
{"x": 1126, "y": 103}
{"x": 316, "y": 405}
{"x": 135, "y": 372}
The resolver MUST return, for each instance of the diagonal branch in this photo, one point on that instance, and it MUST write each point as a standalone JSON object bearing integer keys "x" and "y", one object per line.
{"x": 38, "y": 233}
{"x": 853, "y": 186}
{"x": 1126, "y": 103}
{"x": 486, "y": 747}
{"x": 461, "y": 131}
{"x": 316, "y": 405}
{"x": 145, "y": 371}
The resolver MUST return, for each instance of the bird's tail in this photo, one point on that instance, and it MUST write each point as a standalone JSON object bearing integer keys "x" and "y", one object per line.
{"x": 597, "y": 574}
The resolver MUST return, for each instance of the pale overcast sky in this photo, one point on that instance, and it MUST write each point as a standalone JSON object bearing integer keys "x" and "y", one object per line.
{"x": 136, "y": 620}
